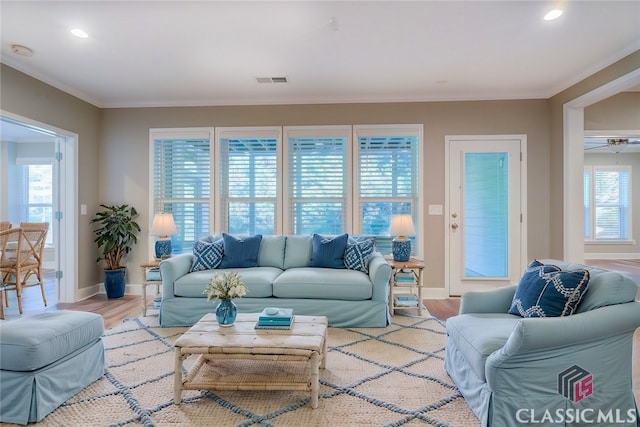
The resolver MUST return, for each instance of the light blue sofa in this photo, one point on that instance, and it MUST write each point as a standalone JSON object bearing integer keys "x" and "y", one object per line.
{"x": 283, "y": 278}
{"x": 514, "y": 371}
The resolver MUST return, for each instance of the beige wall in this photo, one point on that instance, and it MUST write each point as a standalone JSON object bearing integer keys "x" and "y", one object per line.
{"x": 113, "y": 150}
{"x": 609, "y": 74}
{"x": 35, "y": 100}
{"x": 125, "y": 177}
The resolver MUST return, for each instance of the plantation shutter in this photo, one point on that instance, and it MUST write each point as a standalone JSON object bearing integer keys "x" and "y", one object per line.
{"x": 611, "y": 193}
{"x": 388, "y": 181}
{"x": 317, "y": 188}
{"x": 249, "y": 184}
{"x": 182, "y": 184}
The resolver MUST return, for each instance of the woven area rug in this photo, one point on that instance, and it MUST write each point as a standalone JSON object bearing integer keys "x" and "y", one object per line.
{"x": 390, "y": 376}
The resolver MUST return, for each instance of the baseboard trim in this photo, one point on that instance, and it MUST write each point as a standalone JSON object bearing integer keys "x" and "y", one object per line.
{"x": 434, "y": 293}
{"x": 609, "y": 255}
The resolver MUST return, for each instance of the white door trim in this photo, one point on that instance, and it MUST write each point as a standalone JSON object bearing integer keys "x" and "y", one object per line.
{"x": 67, "y": 248}
{"x": 523, "y": 198}
{"x": 573, "y": 161}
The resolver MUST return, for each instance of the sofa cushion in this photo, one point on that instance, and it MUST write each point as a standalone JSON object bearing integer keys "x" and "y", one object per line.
{"x": 543, "y": 293}
{"x": 358, "y": 254}
{"x": 328, "y": 252}
{"x": 297, "y": 251}
{"x": 257, "y": 280}
{"x": 323, "y": 283}
{"x": 478, "y": 335}
{"x": 206, "y": 255}
{"x": 35, "y": 341}
{"x": 240, "y": 252}
{"x": 271, "y": 253}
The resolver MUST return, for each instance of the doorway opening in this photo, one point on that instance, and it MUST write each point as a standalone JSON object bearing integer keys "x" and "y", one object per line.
{"x": 38, "y": 184}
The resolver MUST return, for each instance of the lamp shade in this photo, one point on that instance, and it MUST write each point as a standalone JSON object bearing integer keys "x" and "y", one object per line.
{"x": 402, "y": 225}
{"x": 163, "y": 225}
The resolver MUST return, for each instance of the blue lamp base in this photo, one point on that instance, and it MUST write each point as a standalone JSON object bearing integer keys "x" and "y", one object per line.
{"x": 401, "y": 249}
{"x": 163, "y": 249}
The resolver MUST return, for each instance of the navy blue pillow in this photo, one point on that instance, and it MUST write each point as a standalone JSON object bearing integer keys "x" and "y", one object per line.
{"x": 206, "y": 255}
{"x": 546, "y": 291}
{"x": 240, "y": 253}
{"x": 328, "y": 253}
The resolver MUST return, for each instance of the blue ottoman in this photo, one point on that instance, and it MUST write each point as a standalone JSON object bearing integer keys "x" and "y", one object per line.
{"x": 45, "y": 359}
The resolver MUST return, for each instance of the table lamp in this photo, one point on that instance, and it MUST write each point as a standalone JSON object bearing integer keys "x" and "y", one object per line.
{"x": 401, "y": 227}
{"x": 163, "y": 226}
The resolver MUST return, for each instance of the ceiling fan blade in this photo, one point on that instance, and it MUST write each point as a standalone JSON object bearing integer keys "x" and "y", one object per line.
{"x": 597, "y": 146}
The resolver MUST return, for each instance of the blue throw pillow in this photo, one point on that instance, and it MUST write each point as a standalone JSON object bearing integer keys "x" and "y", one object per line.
{"x": 546, "y": 291}
{"x": 328, "y": 253}
{"x": 358, "y": 254}
{"x": 206, "y": 255}
{"x": 240, "y": 253}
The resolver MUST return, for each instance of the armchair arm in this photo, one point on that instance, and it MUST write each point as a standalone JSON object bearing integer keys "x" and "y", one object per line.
{"x": 171, "y": 269}
{"x": 535, "y": 334}
{"x": 494, "y": 301}
{"x": 379, "y": 274}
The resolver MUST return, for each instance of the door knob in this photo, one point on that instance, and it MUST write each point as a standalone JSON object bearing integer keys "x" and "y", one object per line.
{"x": 454, "y": 226}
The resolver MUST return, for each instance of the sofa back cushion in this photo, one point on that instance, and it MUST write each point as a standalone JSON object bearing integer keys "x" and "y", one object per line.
{"x": 297, "y": 251}
{"x": 605, "y": 287}
{"x": 240, "y": 252}
{"x": 271, "y": 253}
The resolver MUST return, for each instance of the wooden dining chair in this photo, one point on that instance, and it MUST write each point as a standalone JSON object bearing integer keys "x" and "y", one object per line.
{"x": 5, "y": 225}
{"x": 10, "y": 247}
{"x": 25, "y": 262}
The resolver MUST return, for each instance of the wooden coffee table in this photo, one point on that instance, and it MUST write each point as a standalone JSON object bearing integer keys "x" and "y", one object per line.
{"x": 243, "y": 358}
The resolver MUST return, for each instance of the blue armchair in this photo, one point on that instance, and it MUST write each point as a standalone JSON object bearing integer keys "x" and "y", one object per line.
{"x": 572, "y": 370}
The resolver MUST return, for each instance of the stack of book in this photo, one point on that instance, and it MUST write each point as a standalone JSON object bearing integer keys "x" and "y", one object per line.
{"x": 405, "y": 278}
{"x": 275, "y": 318}
{"x": 406, "y": 301}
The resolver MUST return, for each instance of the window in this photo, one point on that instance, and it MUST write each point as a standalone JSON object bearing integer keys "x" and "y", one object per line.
{"x": 182, "y": 182}
{"x": 317, "y": 180}
{"x": 249, "y": 180}
{"x": 388, "y": 179}
{"x": 297, "y": 180}
{"x": 38, "y": 203}
{"x": 607, "y": 202}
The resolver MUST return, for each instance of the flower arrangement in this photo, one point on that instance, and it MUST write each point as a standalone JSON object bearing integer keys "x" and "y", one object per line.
{"x": 225, "y": 287}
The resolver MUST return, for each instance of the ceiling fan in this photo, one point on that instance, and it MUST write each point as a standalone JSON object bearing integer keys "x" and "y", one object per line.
{"x": 614, "y": 144}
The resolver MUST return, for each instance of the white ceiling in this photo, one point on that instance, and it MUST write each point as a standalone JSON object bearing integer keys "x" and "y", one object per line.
{"x": 174, "y": 53}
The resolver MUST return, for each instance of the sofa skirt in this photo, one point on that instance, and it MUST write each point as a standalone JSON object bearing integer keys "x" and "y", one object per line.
{"x": 179, "y": 311}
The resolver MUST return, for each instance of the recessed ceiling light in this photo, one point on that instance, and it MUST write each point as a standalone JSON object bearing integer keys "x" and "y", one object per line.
{"x": 554, "y": 14}
{"x": 79, "y": 33}
{"x": 21, "y": 50}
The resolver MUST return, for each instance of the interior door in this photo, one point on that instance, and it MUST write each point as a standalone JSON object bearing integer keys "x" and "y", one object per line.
{"x": 484, "y": 212}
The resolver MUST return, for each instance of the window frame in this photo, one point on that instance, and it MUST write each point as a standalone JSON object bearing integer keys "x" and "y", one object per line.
{"x": 266, "y": 132}
{"x": 591, "y": 220}
{"x": 157, "y": 206}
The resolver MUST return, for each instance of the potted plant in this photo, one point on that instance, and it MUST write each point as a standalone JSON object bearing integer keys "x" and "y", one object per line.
{"x": 115, "y": 235}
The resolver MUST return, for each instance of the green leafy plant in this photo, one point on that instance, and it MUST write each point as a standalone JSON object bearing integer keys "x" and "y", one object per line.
{"x": 115, "y": 233}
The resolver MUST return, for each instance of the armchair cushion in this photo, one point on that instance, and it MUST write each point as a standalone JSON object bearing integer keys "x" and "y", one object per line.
{"x": 545, "y": 291}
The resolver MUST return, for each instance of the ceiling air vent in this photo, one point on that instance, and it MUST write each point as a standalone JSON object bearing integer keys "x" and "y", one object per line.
{"x": 271, "y": 79}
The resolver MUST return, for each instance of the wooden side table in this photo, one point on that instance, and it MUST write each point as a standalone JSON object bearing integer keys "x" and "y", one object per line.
{"x": 405, "y": 274}
{"x": 146, "y": 267}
